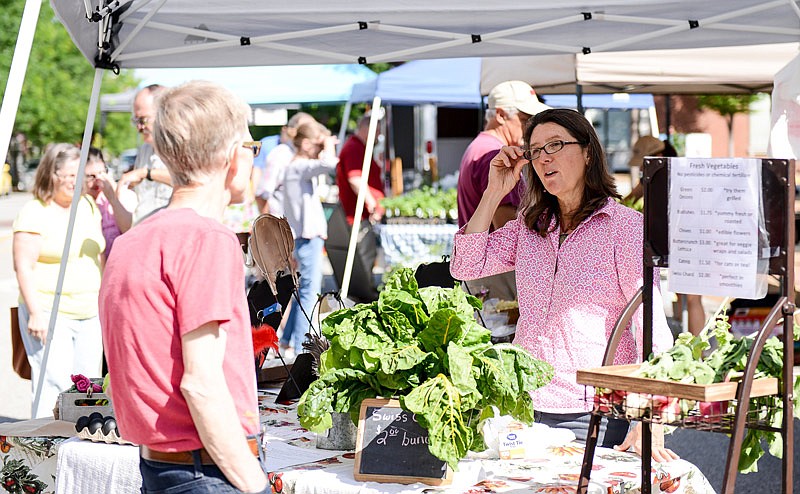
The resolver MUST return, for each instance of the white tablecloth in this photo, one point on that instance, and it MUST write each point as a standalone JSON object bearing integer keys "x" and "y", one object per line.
{"x": 97, "y": 468}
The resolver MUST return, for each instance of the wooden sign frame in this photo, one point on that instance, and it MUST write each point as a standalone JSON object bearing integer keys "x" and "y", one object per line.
{"x": 447, "y": 479}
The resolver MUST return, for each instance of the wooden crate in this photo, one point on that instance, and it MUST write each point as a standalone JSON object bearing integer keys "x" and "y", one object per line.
{"x": 620, "y": 377}
{"x": 69, "y": 407}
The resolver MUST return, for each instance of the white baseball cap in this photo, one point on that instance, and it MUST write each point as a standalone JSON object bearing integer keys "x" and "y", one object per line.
{"x": 516, "y": 94}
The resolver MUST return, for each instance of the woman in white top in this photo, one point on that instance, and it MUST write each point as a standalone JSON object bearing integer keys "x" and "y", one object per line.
{"x": 315, "y": 155}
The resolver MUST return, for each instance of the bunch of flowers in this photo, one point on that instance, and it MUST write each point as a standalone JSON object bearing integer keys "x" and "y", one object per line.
{"x": 82, "y": 384}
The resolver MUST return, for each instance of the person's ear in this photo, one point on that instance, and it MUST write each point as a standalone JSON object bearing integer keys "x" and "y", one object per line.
{"x": 231, "y": 161}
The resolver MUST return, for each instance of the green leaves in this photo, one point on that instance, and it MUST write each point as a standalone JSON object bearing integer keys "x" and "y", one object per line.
{"x": 437, "y": 404}
{"x": 56, "y": 91}
{"x": 424, "y": 346}
{"x": 685, "y": 362}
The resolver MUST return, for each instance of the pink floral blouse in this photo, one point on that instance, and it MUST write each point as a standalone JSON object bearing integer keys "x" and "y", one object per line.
{"x": 570, "y": 296}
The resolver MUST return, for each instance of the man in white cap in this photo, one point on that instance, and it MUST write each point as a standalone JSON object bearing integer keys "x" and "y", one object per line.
{"x": 511, "y": 104}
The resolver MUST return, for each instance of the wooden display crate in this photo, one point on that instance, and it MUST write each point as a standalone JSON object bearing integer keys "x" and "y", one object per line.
{"x": 620, "y": 377}
{"x": 71, "y": 406}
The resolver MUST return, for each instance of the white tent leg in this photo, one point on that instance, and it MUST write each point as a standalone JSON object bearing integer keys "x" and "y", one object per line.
{"x": 362, "y": 192}
{"x": 16, "y": 76}
{"x": 73, "y": 209}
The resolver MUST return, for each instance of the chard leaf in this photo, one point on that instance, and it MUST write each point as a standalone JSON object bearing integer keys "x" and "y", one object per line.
{"x": 436, "y": 298}
{"x": 751, "y": 451}
{"x": 400, "y": 358}
{"x": 402, "y": 279}
{"x": 401, "y": 381}
{"x": 315, "y": 407}
{"x": 396, "y": 301}
{"x": 796, "y": 398}
{"x": 343, "y": 320}
{"x": 437, "y": 404}
{"x": 402, "y": 330}
{"x": 494, "y": 384}
{"x": 333, "y": 358}
{"x": 445, "y": 325}
{"x": 366, "y": 341}
{"x": 475, "y": 337}
{"x": 531, "y": 373}
{"x": 459, "y": 365}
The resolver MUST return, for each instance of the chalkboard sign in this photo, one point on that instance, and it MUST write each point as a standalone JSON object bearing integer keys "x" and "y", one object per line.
{"x": 392, "y": 447}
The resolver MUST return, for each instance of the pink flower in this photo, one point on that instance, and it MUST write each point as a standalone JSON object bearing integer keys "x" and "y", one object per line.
{"x": 82, "y": 384}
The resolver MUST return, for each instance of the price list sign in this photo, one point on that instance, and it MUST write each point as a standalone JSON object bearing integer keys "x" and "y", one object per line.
{"x": 713, "y": 226}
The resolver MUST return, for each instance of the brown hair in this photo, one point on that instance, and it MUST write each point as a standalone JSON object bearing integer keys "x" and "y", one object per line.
{"x": 53, "y": 160}
{"x": 540, "y": 206}
{"x": 309, "y": 130}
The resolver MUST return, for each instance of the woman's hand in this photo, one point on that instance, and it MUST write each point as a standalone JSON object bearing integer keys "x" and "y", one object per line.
{"x": 37, "y": 327}
{"x": 658, "y": 451}
{"x": 505, "y": 169}
{"x": 108, "y": 184}
{"x": 329, "y": 146}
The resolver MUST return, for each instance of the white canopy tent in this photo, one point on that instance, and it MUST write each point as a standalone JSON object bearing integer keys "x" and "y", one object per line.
{"x": 784, "y": 139}
{"x": 221, "y": 33}
{"x": 258, "y": 86}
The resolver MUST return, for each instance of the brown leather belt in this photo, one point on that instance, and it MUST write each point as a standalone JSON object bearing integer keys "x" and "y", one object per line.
{"x": 186, "y": 457}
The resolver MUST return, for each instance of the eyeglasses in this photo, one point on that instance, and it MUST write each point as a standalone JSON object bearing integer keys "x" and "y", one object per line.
{"x": 140, "y": 121}
{"x": 254, "y": 146}
{"x": 551, "y": 147}
{"x": 94, "y": 177}
{"x": 70, "y": 177}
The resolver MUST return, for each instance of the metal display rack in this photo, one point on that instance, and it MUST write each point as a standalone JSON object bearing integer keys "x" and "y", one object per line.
{"x": 741, "y": 404}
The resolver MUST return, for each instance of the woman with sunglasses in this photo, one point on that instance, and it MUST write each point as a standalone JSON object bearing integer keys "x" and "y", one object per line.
{"x": 577, "y": 254}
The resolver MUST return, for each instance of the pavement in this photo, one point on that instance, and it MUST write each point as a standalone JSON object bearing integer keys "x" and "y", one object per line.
{"x": 16, "y": 401}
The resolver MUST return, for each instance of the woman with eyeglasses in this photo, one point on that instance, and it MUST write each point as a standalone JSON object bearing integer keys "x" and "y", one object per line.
{"x": 577, "y": 254}
{"x": 40, "y": 230}
{"x": 100, "y": 185}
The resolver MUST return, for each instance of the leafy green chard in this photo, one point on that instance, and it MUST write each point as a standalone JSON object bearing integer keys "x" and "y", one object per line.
{"x": 423, "y": 346}
{"x": 685, "y": 362}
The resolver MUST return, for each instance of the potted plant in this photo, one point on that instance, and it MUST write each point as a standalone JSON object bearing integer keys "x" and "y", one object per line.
{"x": 424, "y": 347}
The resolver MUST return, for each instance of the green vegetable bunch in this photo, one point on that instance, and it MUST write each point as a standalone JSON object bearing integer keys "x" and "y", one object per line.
{"x": 685, "y": 362}
{"x": 425, "y": 202}
{"x": 423, "y": 346}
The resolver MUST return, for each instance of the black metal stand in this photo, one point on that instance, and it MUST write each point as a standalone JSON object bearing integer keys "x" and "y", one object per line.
{"x": 778, "y": 194}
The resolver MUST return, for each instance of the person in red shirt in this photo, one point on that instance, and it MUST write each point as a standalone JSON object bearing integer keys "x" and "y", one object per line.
{"x": 348, "y": 176}
{"x": 176, "y": 327}
{"x": 348, "y": 179}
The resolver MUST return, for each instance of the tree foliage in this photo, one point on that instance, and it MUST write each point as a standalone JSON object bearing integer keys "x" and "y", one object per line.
{"x": 58, "y": 83}
{"x": 727, "y": 105}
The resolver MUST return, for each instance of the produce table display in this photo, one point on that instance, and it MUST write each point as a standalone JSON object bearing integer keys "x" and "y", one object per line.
{"x": 74, "y": 466}
{"x": 408, "y": 244}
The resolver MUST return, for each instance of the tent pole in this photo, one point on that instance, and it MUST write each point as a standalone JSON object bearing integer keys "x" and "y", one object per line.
{"x": 73, "y": 209}
{"x": 343, "y": 128}
{"x": 668, "y": 116}
{"x": 16, "y": 75}
{"x": 362, "y": 192}
{"x": 579, "y": 98}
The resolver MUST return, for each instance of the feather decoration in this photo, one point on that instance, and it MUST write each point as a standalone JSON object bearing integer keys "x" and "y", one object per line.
{"x": 264, "y": 338}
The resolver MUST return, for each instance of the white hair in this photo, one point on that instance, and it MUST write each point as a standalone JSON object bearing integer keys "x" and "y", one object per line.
{"x": 492, "y": 112}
